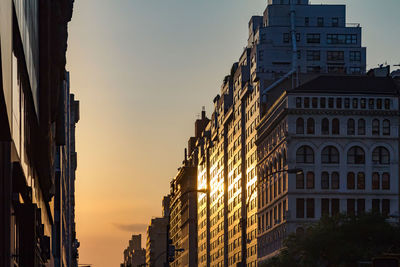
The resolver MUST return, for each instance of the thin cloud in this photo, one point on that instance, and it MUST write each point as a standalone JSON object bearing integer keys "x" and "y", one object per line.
{"x": 135, "y": 227}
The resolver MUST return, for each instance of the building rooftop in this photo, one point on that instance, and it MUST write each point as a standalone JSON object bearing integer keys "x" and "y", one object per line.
{"x": 348, "y": 84}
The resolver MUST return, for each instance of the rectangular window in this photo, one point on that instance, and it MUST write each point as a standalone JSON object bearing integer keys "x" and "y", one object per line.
{"x": 297, "y": 37}
{"x": 286, "y": 37}
{"x": 371, "y": 103}
{"x": 347, "y": 102}
{"x": 335, "y": 206}
{"x": 322, "y": 102}
{"x": 310, "y": 208}
{"x": 355, "y": 56}
{"x": 324, "y": 206}
{"x": 336, "y": 69}
{"x": 338, "y": 103}
{"x": 330, "y": 102}
{"x": 376, "y": 205}
{"x": 363, "y": 103}
{"x": 379, "y": 103}
{"x": 385, "y": 207}
{"x": 313, "y": 38}
{"x": 355, "y": 103}
{"x": 306, "y": 102}
{"x": 298, "y": 102}
{"x": 354, "y": 70}
{"x": 335, "y": 55}
{"x": 314, "y": 102}
{"x": 320, "y": 22}
{"x": 313, "y": 55}
{"x": 351, "y": 203}
{"x": 387, "y": 103}
{"x": 341, "y": 39}
{"x": 360, "y": 206}
{"x": 300, "y": 208}
{"x": 335, "y": 22}
{"x": 306, "y": 21}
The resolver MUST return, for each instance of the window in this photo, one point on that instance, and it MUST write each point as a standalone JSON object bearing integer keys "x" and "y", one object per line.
{"x": 375, "y": 181}
{"x": 320, "y": 22}
{"x": 330, "y": 102}
{"x": 335, "y": 126}
{"x": 335, "y": 22}
{"x": 322, "y": 102}
{"x": 338, "y": 103}
{"x": 385, "y": 181}
{"x": 300, "y": 180}
{"x": 387, "y": 103}
{"x": 385, "y": 207}
{"x": 298, "y": 102}
{"x": 325, "y": 206}
{"x": 335, "y": 206}
{"x": 355, "y": 56}
{"x": 347, "y": 102}
{"x": 335, "y": 55}
{"x": 371, "y": 103}
{"x": 325, "y": 126}
{"x": 298, "y": 37}
{"x": 360, "y": 180}
{"x": 376, "y": 205}
{"x": 341, "y": 39}
{"x": 313, "y": 55}
{"x": 386, "y": 127}
{"x": 300, "y": 208}
{"x": 310, "y": 126}
{"x": 306, "y": 21}
{"x": 356, "y": 155}
{"x": 310, "y": 208}
{"x": 314, "y": 102}
{"x": 351, "y": 206}
{"x": 330, "y": 155}
{"x": 310, "y": 180}
{"x": 313, "y": 38}
{"x": 335, "y": 180}
{"x": 286, "y": 37}
{"x": 381, "y": 155}
{"x": 379, "y": 103}
{"x": 350, "y": 127}
{"x": 350, "y": 180}
{"x": 300, "y": 126}
{"x": 325, "y": 180}
{"x": 361, "y": 127}
{"x": 355, "y": 103}
{"x": 306, "y": 102}
{"x": 305, "y": 154}
{"x": 360, "y": 206}
{"x": 363, "y": 102}
{"x": 333, "y": 68}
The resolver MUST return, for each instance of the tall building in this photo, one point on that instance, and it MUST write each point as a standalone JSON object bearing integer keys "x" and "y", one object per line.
{"x": 33, "y": 46}
{"x": 134, "y": 255}
{"x": 156, "y": 245}
{"x": 293, "y": 41}
{"x": 342, "y": 132}
{"x": 65, "y": 243}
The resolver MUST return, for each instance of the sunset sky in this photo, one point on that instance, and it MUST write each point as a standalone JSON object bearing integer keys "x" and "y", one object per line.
{"x": 142, "y": 70}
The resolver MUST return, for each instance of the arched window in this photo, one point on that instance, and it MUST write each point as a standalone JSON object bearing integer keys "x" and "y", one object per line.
{"x": 300, "y": 126}
{"x": 300, "y": 180}
{"x": 350, "y": 180}
{"x": 330, "y": 155}
{"x": 356, "y": 155}
{"x": 361, "y": 127}
{"x": 335, "y": 180}
{"x": 386, "y": 127}
{"x": 360, "y": 180}
{"x": 386, "y": 181}
{"x": 375, "y": 180}
{"x": 335, "y": 126}
{"x": 380, "y": 155}
{"x": 325, "y": 126}
{"x": 375, "y": 127}
{"x": 310, "y": 180}
{"x": 350, "y": 127}
{"x": 310, "y": 126}
{"x": 305, "y": 154}
{"x": 325, "y": 180}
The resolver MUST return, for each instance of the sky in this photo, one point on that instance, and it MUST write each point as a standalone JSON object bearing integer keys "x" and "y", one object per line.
{"x": 142, "y": 70}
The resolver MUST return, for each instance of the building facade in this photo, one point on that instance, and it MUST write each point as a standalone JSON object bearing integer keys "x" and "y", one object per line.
{"x": 342, "y": 132}
{"x": 32, "y": 85}
{"x": 293, "y": 41}
{"x": 134, "y": 255}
